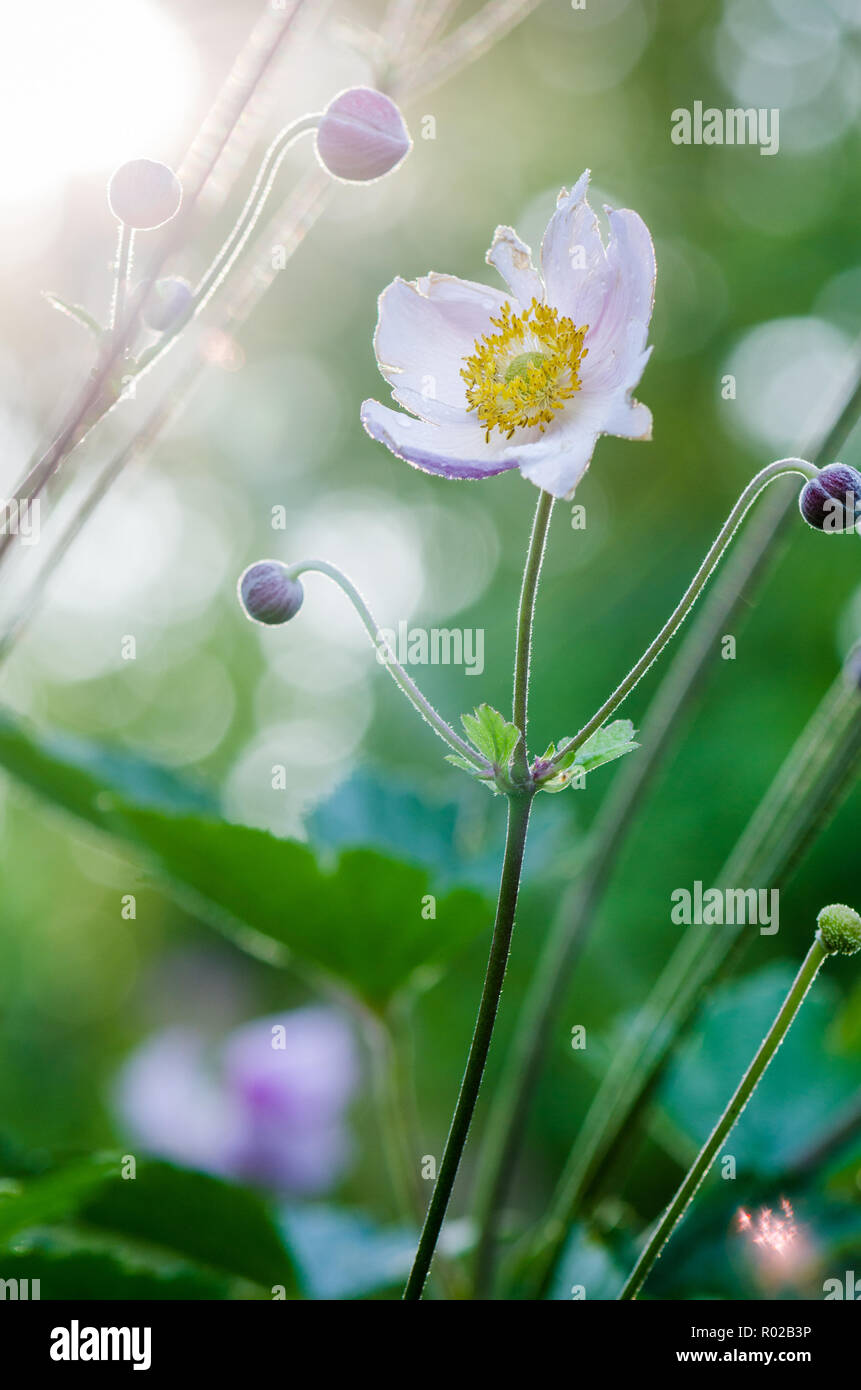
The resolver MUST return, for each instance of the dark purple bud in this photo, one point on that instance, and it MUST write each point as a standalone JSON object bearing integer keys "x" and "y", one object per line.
{"x": 832, "y": 500}
{"x": 268, "y": 594}
{"x": 167, "y": 303}
{"x": 144, "y": 194}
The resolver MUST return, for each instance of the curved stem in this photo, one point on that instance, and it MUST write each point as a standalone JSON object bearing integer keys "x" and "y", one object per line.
{"x": 509, "y": 883}
{"x": 232, "y": 247}
{"x": 742, "y": 1094}
{"x": 766, "y": 475}
{"x": 396, "y": 670}
{"x": 525, "y": 615}
{"x": 254, "y": 205}
{"x": 88, "y": 407}
{"x": 661, "y": 728}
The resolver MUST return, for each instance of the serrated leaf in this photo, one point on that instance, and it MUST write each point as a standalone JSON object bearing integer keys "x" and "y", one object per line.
{"x": 358, "y": 919}
{"x": 465, "y": 764}
{"x": 612, "y": 741}
{"x": 493, "y": 735}
{"x": 76, "y": 312}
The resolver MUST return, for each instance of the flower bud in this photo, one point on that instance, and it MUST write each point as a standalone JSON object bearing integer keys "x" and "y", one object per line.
{"x": 144, "y": 194}
{"x": 268, "y": 594}
{"x": 167, "y": 303}
{"x": 839, "y": 929}
{"x": 362, "y": 136}
{"x": 832, "y": 500}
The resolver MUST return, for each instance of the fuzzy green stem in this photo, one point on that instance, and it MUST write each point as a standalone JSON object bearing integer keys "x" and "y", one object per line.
{"x": 519, "y": 806}
{"x": 395, "y": 669}
{"x": 232, "y": 247}
{"x": 767, "y": 475}
{"x": 509, "y": 883}
{"x": 743, "y": 1092}
{"x": 662, "y": 726}
{"x": 525, "y": 617}
{"x": 822, "y": 764}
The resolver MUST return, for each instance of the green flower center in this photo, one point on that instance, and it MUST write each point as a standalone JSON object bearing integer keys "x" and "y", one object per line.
{"x": 519, "y": 366}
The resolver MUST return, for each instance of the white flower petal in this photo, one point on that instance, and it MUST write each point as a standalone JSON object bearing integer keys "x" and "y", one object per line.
{"x": 573, "y": 260}
{"x": 628, "y": 419}
{"x": 623, "y": 323}
{"x": 558, "y": 459}
{"x": 452, "y": 451}
{"x": 425, "y": 329}
{"x": 513, "y": 259}
{"x": 558, "y": 464}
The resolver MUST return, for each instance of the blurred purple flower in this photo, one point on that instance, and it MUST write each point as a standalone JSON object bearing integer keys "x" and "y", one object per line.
{"x": 266, "y": 1107}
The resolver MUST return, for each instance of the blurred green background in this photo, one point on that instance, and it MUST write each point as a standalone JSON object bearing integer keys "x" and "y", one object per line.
{"x": 758, "y": 276}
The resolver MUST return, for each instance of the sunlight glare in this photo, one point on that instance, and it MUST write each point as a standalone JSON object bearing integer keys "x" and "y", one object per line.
{"x": 84, "y": 86}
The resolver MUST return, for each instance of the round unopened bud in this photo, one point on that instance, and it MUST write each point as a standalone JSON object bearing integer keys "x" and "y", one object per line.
{"x": 838, "y": 927}
{"x": 167, "y": 303}
{"x": 832, "y": 500}
{"x": 144, "y": 194}
{"x": 362, "y": 136}
{"x": 268, "y": 594}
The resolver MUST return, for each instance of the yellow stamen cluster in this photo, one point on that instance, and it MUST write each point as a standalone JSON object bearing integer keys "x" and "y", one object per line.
{"x": 523, "y": 374}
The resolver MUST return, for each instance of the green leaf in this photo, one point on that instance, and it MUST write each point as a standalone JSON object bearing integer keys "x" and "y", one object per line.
{"x": 198, "y": 1217}
{"x": 52, "y": 1198}
{"x": 491, "y": 734}
{"x": 74, "y": 311}
{"x": 193, "y": 1217}
{"x": 612, "y": 741}
{"x": 359, "y": 919}
{"x": 467, "y": 766}
{"x": 89, "y": 779}
{"x": 68, "y": 1265}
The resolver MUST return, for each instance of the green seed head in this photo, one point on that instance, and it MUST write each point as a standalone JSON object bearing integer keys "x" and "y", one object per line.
{"x": 839, "y": 929}
{"x": 521, "y": 364}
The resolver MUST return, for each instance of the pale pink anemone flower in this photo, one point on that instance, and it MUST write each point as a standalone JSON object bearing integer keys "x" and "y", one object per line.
{"x": 527, "y": 379}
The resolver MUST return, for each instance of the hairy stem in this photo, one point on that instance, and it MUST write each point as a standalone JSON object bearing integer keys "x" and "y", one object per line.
{"x": 662, "y": 727}
{"x": 509, "y": 883}
{"x": 742, "y": 1094}
{"x": 766, "y": 475}
{"x": 389, "y": 660}
{"x": 525, "y": 616}
{"x": 519, "y": 806}
{"x": 824, "y": 762}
